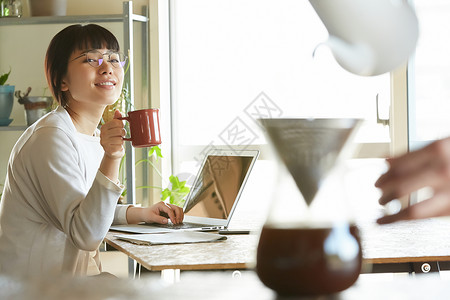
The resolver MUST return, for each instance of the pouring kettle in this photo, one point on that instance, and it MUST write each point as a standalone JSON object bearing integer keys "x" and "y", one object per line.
{"x": 369, "y": 37}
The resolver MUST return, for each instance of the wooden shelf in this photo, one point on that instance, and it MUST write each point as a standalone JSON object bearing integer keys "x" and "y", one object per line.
{"x": 70, "y": 19}
{"x": 13, "y": 128}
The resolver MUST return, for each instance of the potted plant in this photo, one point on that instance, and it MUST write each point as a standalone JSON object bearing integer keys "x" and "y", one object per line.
{"x": 6, "y": 99}
{"x": 10, "y": 8}
{"x": 35, "y": 106}
{"x": 176, "y": 190}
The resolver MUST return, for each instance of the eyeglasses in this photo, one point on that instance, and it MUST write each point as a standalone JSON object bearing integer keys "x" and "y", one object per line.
{"x": 95, "y": 58}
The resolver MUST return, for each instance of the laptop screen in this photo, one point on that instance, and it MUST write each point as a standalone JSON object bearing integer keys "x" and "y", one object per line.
{"x": 218, "y": 185}
{"x": 215, "y": 192}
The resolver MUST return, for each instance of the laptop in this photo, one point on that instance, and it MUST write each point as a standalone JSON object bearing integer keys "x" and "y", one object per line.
{"x": 214, "y": 194}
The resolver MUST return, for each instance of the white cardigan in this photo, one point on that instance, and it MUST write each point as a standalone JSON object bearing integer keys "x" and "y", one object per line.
{"x": 56, "y": 206}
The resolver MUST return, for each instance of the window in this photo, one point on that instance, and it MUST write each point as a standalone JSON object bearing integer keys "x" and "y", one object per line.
{"x": 429, "y": 76}
{"x": 429, "y": 79}
{"x": 232, "y": 61}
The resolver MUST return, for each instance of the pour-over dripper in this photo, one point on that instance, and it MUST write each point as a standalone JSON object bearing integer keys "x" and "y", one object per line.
{"x": 309, "y": 148}
{"x": 309, "y": 247}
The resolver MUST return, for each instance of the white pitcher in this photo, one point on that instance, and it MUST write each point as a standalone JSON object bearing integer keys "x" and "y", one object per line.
{"x": 369, "y": 37}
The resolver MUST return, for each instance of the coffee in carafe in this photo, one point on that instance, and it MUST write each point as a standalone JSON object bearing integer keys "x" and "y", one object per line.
{"x": 309, "y": 244}
{"x": 309, "y": 261}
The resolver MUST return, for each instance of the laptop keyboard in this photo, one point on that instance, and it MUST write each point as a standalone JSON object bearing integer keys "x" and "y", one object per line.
{"x": 179, "y": 226}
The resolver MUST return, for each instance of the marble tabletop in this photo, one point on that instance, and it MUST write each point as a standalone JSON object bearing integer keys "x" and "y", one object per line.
{"x": 407, "y": 241}
{"x": 403, "y": 242}
{"x": 237, "y": 252}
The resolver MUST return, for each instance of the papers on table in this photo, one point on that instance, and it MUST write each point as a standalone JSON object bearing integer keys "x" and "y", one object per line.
{"x": 139, "y": 228}
{"x": 177, "y": 237}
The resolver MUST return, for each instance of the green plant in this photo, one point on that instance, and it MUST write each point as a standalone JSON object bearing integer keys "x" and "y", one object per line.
{"x": 177, "y": 189}
{"x": 4, "y": 77}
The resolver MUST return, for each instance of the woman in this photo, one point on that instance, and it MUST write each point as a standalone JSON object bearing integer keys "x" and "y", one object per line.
{"x": 62, "y": 188}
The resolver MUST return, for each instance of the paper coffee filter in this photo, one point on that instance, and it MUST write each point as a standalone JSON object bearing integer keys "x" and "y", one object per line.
{"x": 309, "y": 148}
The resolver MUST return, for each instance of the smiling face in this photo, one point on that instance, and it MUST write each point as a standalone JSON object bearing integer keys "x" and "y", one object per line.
{"x": 88, "y": 85}
{"x": 70, "y": 77}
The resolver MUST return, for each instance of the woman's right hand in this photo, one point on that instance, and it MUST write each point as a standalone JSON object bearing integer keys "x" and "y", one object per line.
{"x": 111, "y": 137}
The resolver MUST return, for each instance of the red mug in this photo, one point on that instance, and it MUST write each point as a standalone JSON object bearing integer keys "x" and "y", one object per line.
{"x": 144, "y": 127}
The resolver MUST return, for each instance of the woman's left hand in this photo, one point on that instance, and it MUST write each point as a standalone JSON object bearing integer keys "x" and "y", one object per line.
{"x": 162, "y": 211}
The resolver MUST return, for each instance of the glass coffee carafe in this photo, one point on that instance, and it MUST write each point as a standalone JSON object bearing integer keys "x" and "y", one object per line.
{"x": 309, "y": 244}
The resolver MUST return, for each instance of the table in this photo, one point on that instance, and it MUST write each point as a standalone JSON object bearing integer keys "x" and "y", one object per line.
{"x": 237, "y": 252}
{"x": 406, "y": 246}
{"x": 399, "y": 247}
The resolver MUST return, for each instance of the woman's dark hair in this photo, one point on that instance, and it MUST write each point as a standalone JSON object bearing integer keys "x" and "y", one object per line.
{"x": 64, "y": 43}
